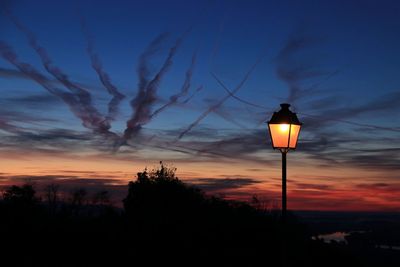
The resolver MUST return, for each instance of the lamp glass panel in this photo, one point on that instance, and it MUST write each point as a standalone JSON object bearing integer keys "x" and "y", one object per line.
{"x": 279, "y": 135}
{"x": 294, "y": 135}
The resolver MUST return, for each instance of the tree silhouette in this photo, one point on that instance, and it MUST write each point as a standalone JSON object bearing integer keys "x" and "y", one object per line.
{"x": 160, "y": 197}
{"x": 77, "y": 200}
{"x": 51, "y": 194}
{"x": 22, "y": 196}
{"x": 101, "y": 198}
{"x": 78, "y": 197}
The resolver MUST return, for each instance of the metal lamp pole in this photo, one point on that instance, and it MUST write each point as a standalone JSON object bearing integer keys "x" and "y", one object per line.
{"x": 284, "y": 205}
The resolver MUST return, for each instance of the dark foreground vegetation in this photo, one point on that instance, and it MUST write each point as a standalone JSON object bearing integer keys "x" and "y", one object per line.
{"x": 162, "y": 220}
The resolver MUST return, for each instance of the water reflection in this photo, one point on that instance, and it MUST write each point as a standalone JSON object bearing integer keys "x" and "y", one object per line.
{"x": 336, "y": 236}
{"x": 340, "y": 237}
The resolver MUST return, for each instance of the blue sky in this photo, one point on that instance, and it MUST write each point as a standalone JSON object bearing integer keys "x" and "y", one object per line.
{"x": 335, "y": 60}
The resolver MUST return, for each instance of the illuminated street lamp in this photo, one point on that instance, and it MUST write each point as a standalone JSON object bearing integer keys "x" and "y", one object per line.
{"x": 284, "y": 128}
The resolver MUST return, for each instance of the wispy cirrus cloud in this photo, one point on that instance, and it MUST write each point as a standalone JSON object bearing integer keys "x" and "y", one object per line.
{"x": 292, "y": 70}
{"x": 220, "y": 102}
{"x": 104, "y": 77}
{"x": 183, "y": 91}
{"x": 34, "y": 101}
{"x": 147, "y": 95}
{"x": 90, "y": 116}
{"x": 8, "y": 73}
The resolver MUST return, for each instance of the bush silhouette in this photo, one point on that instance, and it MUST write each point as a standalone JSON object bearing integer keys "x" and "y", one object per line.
{"x": 170, "y": 213}
{"x": 160, "y": 197}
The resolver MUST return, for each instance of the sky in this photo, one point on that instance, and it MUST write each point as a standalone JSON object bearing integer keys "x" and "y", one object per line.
{"x": 93, "y": 92}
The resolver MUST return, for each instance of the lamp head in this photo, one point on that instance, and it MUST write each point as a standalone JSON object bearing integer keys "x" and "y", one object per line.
{"x": 284, "y": 128}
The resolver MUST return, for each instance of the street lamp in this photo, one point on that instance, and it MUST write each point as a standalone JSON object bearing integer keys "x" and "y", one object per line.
{"x": 284, "y": 128}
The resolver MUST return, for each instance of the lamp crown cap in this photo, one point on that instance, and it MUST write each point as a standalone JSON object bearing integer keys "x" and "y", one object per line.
{"x": 284, "y": 116}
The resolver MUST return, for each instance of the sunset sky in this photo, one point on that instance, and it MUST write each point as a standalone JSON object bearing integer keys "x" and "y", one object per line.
{"x": 94, "y": 91}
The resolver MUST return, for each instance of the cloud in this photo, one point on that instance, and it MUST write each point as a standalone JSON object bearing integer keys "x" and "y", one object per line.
{"x": 12, "y": 115}
{"x": 383, "y": 159}
{"x": 17, "y": 74}
{"x": 10, "y": 73}
{"x": 374, "y": 186}
{"x": 104, "y": 77}
{"x": 147, "y": 95}
{"x": 35, "y": 101}
{"x": 143, "y": 70}
{"x": 309, "y": 186}
{"x": 90, "y": 116}
{"x": 293, "y": 70}
{"x": 384, "y": 104}
{"x": 8, "y": 127}
{"x": 184, "y": 89}
{"x": 220, "y": 102}
{"x": 193, "y": 94}
{"x": 218, "y": 184}
{"x": 329, "y": 112}
{"x": 69, "y": 99}
{"x": 51, "y": 141}
{"x": 252, "y": 141}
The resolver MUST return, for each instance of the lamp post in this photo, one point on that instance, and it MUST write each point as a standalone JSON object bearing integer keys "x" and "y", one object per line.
{"x": 284, "y": 129}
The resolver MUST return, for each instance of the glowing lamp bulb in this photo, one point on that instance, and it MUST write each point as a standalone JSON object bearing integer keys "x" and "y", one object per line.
{"x": 284, "y": 127}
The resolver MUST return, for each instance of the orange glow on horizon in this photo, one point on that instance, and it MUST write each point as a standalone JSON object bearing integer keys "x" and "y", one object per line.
{"x": 343, "y": 188}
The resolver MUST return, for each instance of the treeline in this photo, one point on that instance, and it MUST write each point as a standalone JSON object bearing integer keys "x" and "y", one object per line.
{"x": 24, "y": 198}
{"x": 162, "y": 219}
